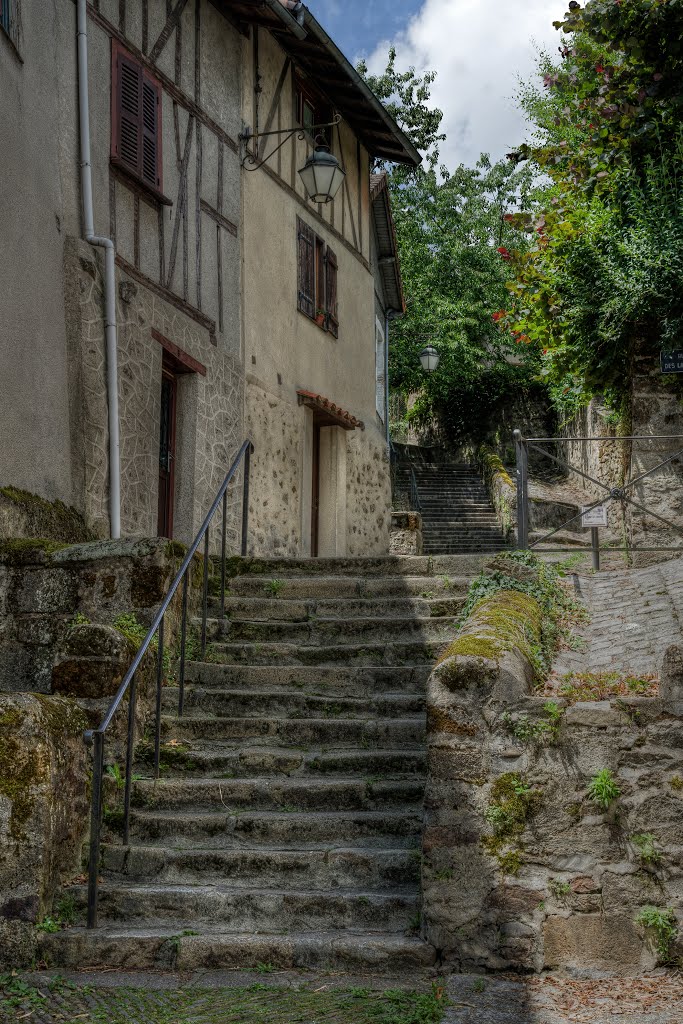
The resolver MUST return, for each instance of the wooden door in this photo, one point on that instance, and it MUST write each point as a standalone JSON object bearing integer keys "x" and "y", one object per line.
{"x": 167, "y": 438}
{"x": 315, "y": 490}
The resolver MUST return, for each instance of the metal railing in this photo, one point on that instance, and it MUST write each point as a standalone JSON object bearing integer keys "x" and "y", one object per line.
{"x": 621, "y": 495}
{"x": 96, "y": 737}
{"x": 415, "y": 503}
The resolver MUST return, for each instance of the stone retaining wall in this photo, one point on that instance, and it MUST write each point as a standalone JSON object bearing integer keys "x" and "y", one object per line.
{"x": 522, "y": 870}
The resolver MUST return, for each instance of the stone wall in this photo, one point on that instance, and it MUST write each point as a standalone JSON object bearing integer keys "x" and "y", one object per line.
{"x": 368, "y": 483}
{"x": 522, "y": 870}
{"x": 43, "y": 813}
{"x": 209, "y": 413}
{"x": 43, "y": 587}
{"x": 406, "y": 534}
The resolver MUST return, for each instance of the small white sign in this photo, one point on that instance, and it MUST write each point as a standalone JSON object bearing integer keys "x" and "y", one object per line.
{"x": 596, "y": 516}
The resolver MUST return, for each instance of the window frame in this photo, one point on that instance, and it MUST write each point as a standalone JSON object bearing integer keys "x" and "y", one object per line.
{"x": 323, "y": 112}
{"x": 317, "y": 279}
{"x": 120, "y": 56}
{"x": 10, "y": 24}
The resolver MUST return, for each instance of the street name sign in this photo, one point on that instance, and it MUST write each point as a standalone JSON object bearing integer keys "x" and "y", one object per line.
{"x": 672, "y": 362}
{"x": 596, "y": 516}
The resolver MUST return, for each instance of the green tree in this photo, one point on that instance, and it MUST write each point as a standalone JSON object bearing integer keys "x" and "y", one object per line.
{"x": 452, "y": 238}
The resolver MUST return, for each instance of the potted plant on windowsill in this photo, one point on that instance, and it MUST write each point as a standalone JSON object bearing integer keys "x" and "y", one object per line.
{"x": 320, "y": 317}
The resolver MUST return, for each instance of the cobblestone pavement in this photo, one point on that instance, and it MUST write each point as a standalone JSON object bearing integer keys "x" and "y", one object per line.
{"x": 652, "y": 999}
{"x": 280, "y": 998}
{"x": 634, "y": 615}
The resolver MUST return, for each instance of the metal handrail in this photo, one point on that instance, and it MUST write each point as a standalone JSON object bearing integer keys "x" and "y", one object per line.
{"x": 415, "y": 503}
{"x": 95, "y": 737}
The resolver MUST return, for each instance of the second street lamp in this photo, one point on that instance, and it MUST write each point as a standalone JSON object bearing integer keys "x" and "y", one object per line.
{"x": 429, "y": 358}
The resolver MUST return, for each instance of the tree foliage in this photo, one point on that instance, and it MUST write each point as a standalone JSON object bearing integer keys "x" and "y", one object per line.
{"x": 452, "y": 240}
{"x": 599, "y": 264}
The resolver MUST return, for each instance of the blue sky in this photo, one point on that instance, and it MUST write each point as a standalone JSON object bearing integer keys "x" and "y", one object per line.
{"x": 478, "y": 48}
{"x": 357, "y": 26}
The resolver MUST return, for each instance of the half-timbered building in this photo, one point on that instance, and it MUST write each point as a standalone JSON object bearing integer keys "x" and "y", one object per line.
{"x": 163, "y": 85}
{"x": 321, "y": 473}
{"x": 166, "y": 277}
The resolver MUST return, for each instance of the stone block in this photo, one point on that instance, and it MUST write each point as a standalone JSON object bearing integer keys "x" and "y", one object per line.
{"x": 591, "y": 945}
{"x": 598, "y": 714}
{"x": 91, "y": 662}
{"x": 671, "y": 673}
{"x": 43, "y": 812}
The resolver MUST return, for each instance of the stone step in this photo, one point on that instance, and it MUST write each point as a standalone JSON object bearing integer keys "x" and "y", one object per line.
{"x": 340, "y": 868}
{"x": 385, "y": 732}
{"x": 252, "y": 910}
{"x": 235, "y": 795}
{"x": 321, "y": 632}
{"x": 315, "y": 587}
{"x": 385, "y": 829}
{"x": 163, "y": 948}
{"x": 261, "y": 609}
{"x": 390, "y": 565}
{"x": 369, "y": 653}
{"x": 211, "y": 760}
{"x": 318, "y": 680}
{"x": 285, "y": 703}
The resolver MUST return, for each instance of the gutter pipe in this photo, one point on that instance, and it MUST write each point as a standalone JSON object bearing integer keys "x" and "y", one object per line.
{"x": 294, "y": 20}
{"x": 109, "y": 275}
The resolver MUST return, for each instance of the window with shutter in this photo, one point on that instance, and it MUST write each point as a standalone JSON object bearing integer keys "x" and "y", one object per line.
{"x": 10, "y": 20}
{"x": 306, "y": 269}
{"x": 331, "y": 289}
{"x": 316, "y": 279}
{"x": 136, "y": 119}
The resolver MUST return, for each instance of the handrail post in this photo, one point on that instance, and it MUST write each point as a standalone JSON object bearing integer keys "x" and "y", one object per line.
{"x": 223, "y": 534}
{"x": 183, "y": 636}
{"x": 522, "y": 491}
{"x": 95, "y": 826}
{"x": 245, "y": 498}
{"x": 205, "y": 590}
{"x": 129, "y": 760}
{"x": 157, "y": 718}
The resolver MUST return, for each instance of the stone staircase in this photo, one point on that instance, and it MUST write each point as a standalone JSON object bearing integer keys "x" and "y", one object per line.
{"x": 457, "y": 514}
{"x": 285, "y": 830}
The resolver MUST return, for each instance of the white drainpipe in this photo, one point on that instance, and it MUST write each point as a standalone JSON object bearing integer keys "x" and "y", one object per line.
{"x": 109, "y": 276}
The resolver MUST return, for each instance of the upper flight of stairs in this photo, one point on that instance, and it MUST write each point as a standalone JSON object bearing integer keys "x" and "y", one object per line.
{"x": 457, "y": 514}
{"x": 286, "y": 827}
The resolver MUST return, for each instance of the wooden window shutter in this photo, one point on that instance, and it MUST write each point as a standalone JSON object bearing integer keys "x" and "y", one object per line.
{"x": 306, "y": 268}
{"x": 331, "y": 290}
{"x": 135, "y": 119}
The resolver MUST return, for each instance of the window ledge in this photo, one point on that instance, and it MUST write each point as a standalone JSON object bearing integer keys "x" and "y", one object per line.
{"x": 139, "y": 185}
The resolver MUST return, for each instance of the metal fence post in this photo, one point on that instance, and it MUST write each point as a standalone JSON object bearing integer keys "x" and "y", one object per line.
{"x": 522, "y": 491}
{"x": 595, "y": 546}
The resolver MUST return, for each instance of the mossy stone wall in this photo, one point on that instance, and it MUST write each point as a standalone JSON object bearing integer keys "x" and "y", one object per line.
{"x": 43, "y": 812}
{"x": 522, "y": 870}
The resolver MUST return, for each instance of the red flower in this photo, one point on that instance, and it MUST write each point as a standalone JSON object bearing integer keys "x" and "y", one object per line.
{"x": 599, "y": 68}
{"x": 504, "y": 252}
{"x": 499, "y": 315}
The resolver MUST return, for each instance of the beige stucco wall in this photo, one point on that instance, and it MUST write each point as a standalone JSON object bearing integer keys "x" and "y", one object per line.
{"x": 285, "y": 351}
{"x": 53, "y": 410}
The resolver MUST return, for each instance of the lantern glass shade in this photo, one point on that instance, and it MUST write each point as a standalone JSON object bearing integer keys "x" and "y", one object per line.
{"x": 322, "y": 176}
{"x": 429, "y": 358}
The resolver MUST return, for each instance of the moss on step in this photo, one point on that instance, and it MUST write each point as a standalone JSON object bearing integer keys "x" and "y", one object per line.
{"x": 22, "y": 550}
{"x": 39, "y": 516}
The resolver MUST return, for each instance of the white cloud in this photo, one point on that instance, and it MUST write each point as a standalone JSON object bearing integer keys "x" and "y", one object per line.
{"x": 478, "y": 48}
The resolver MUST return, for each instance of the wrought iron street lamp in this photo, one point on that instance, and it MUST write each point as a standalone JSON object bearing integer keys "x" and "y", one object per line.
{"x": 322, "y": 175}
{"x": 429, "y": 358}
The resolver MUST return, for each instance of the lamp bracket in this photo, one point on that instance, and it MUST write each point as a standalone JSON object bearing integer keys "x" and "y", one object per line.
{"x": 251, "y": 161}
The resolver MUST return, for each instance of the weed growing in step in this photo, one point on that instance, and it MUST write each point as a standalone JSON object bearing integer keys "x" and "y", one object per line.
{"x": 478, "y": 985}
{"x": 49, "y": 925}
{"x": 79, "y": 619}
{"x": 676, "y": 782}
{"x": 542, "y": 731}
{"x": 135, "y": 633}
{"x": 273, "y": 587}
{"x": 559, "y": 888}
{"x": 592, "y": 686}
{"x": 662, "y": 923}
{"x": 645, "y": 846}
{"x": 603, "y": 789}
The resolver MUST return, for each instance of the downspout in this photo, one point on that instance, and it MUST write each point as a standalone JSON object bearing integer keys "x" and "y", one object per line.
{"x": 109, "y": 275}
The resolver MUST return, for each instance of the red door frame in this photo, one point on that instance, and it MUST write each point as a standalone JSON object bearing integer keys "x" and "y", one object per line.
{"x": 167, "y": 451}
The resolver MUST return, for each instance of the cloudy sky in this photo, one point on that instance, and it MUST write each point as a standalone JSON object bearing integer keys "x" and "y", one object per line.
{"x": 478, "y": 48}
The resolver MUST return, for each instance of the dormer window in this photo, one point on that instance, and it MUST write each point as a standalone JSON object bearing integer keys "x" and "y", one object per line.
{"x": 312, "y": 109}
